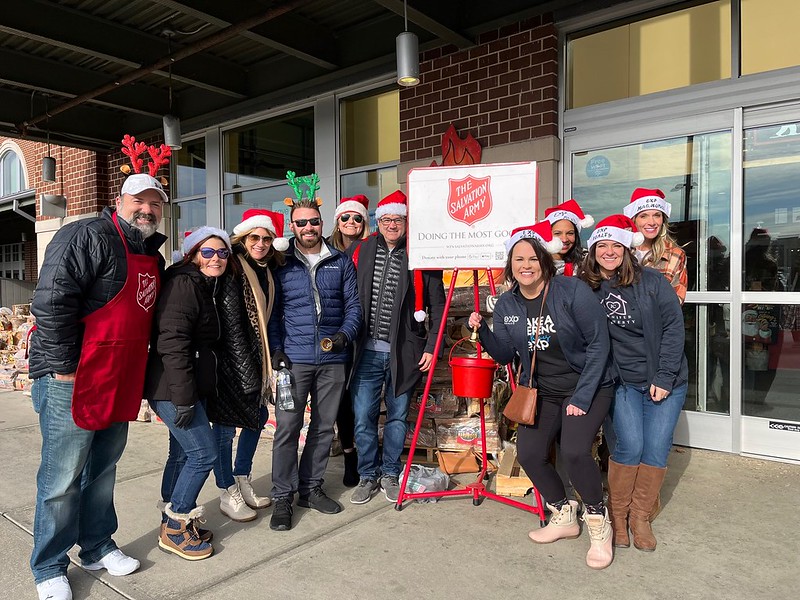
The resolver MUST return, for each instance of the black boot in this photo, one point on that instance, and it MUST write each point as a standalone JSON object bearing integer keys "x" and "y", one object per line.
{"x": 350, "y": 478}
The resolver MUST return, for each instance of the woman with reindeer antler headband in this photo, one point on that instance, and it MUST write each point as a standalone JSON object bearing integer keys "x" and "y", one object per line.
{"x": 94, "y": 305}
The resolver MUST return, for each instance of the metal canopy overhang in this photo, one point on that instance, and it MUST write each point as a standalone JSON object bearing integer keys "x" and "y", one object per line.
{"x": 91, "y": 70}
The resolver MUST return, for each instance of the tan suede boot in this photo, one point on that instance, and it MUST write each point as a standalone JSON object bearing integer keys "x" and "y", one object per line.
{"x": 562, "y": 525}
{"x": 648, "y": 485}
{"x": 656, "y": 510}
{"x": 600, "y": 552}
{"x": 621, "y": 479}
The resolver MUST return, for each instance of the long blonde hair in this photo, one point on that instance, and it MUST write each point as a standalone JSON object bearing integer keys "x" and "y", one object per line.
{"x": 660, "y": 243}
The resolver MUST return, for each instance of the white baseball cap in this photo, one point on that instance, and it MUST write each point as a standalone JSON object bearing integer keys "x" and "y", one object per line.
{"x": 139, "y": 182}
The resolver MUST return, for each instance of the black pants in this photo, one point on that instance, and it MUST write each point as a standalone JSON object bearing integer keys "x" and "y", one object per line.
{"x": 577, "y": 435}
{"x": 346, "y": 422}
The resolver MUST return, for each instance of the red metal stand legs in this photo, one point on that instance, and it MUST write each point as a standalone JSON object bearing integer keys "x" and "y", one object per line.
{"x": 477, "y": 490}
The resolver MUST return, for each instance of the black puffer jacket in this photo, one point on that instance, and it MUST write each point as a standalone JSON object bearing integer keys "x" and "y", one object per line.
{"x": 240, "y": 360}
{"x": 84, "y": 268}
{"x": 182, "y": 366}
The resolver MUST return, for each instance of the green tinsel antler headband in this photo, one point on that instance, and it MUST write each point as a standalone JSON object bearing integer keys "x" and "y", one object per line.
{"x": 305, "y": 188}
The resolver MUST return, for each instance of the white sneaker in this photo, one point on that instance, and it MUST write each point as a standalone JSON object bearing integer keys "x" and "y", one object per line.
{"x": 252, "y": 499}
{"x": 116, "y": 563}
{"x": 233, "y": 506}
{"x": 54, "y": 589}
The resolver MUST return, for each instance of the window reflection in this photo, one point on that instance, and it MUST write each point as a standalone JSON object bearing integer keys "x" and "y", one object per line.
{"x": 190, "y": 167}
{"x": 771, "y": 356}
{"x": 270, "y": 198}
{"x": 772, "y": 208}
{"x": 374, "y": 184}
{"x": 707, "y": 349}
{"x": 695, "y": 174}
{"x": 186, "y": 216}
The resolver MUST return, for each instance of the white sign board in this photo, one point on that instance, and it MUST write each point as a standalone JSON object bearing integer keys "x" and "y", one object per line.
{"x": 459, "y": 217}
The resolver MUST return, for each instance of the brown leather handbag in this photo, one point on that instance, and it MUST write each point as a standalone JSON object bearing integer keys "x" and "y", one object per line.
{"x": 521, "y": 407}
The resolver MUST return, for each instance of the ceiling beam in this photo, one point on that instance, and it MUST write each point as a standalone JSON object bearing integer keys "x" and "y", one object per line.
{"x": 217, "y": 20}
{"x": 178, "y": 55}
{"x": 427, "y": 23}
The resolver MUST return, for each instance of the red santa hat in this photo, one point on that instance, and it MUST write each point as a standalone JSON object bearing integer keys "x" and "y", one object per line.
{"x": 393, "y": 204}
{"x": 571, "y": 211}
{"x": 542, "y": 232}
{"x": 617, "y": 228}
{"x": 269, "y": 220}
{"x": 419, "y": 300}
{"x": 357, "y": 204}
{"x": 643, "y": 199}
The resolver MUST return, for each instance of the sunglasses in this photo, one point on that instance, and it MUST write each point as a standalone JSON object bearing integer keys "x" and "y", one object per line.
{"x": 223, "y": 253}
{"x": 254, "y": 238}
{"x": 346, "y": 217}
{"x": 303, "y": 222}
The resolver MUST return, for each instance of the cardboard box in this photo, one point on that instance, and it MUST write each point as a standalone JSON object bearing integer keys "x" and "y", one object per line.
{"x": 442, "y": 403}
{"x": 460, "y": 434}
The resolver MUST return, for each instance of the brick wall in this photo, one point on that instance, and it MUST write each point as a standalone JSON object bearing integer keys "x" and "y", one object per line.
{"x": 502, "y": 91}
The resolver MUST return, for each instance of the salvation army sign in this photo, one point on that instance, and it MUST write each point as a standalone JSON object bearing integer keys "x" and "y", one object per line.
{"x": 460, "y": 216}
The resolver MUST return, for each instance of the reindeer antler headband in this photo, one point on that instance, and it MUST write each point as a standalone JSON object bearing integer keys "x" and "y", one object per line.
{"x": 159, "y": 156}
{"x": 305, "y": 188}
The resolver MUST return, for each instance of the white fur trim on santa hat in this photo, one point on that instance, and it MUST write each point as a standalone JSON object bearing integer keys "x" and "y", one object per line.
{"x": 395, "y": 208}
{"x": 554, "y": 246}
{"x": 647, "y": 203}
{"x": 419, "y": 315}
{"x": 622, "y": 236}
{"x": 279, "y": 243}
{"x": 559, "y": 215}
{"x": 350, "y": 206}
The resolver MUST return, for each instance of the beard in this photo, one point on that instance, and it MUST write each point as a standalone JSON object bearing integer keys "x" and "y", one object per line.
{"x": 307, "y": 242}
{"x": 147, "y": 229}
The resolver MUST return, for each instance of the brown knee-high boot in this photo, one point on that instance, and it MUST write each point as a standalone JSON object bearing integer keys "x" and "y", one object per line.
{"x": 621, "y": 479}
{"x": 647, "y": 487}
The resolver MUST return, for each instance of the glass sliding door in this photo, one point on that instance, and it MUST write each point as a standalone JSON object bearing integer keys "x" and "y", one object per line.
{"x": 694, "y": 172}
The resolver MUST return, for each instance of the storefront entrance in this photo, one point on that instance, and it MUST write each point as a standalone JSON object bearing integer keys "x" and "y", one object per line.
{"x": 732, "y": 179}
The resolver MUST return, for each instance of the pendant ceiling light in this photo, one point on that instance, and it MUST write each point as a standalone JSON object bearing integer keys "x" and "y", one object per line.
{"x": 407, "y": 54}
{"x": 172, "y": 124}
{"x": 48, "y": 162}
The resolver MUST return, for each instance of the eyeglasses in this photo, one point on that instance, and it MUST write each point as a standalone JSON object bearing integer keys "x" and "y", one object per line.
{"x": 223, "y": 253}
{"x": 346, "y": 217}
{"x": 254, "y": 238}
{"x": 389, "y": 221}
{"x": 303, "y": 222}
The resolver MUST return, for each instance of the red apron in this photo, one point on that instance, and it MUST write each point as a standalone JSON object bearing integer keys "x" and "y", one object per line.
{"x": 110, "y": 378}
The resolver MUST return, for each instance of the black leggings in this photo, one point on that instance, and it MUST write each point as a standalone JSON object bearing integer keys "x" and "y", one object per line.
{"x": 577, "y": 435}
{"x": 346, "y": 421}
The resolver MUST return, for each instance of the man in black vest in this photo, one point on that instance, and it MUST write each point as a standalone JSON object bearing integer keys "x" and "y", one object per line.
{"x": 394, "y": 348}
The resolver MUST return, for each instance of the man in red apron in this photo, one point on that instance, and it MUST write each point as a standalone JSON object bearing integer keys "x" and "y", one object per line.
{"x": 93, "y": 305}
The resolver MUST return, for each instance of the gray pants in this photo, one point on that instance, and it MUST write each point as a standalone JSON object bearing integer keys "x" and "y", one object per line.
{"x": 326, "y": 385}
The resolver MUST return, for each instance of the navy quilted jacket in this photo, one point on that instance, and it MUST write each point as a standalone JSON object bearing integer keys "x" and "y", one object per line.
{"x": 340, "y": 310}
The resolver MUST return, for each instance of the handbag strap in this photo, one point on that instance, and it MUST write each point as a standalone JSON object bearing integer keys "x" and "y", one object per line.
{"x": 536, "y": 333}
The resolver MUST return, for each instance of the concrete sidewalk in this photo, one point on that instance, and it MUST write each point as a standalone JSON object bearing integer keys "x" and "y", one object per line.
{"x": 728, "y": 530}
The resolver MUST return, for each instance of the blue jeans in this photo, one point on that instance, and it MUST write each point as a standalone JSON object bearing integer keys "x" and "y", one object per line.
{"x": 224, "y": 468}
{"x": 192, "y": 452}
{"x": 644, "y": 428}
{"x": 372, "y": 372}
{"x": 75, "y": 483}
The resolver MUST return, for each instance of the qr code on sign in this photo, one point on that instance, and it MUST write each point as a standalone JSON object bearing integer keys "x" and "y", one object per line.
{"x": 499, "y": 255}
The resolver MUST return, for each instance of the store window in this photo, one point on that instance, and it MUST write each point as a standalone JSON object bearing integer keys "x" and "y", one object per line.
{"x": 694, "y": 172}
{"x": 665, "y": 52}
{"x": 369, "y": 133}
{"x": 769, "y": 35}
{"x": 257, "y": 157}
{"x": 12, "y": 177}
{"x": 188, "y": 188}
{"x": 771, "y": 208}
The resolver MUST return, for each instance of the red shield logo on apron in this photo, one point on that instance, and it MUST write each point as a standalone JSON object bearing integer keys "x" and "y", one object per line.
{"x": 146, "y": 292}
{"x": 470, "y": 199}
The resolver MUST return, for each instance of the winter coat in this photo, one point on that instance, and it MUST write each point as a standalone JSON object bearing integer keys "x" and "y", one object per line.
{"x": 244, "y": 370}
{"x": 582, "y": 329}
{"x": 302, "y": 328}
{"x": 84, "y": 267}
{"x": 182, "y": 365}
{"x": 664, "y": 334}
{"x": 409, "y": 338}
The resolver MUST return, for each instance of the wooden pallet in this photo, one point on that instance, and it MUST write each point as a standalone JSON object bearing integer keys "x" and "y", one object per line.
{"x": 423, "y": 455}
